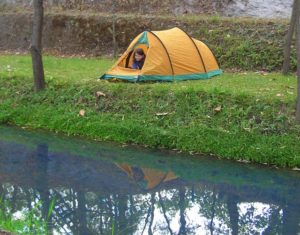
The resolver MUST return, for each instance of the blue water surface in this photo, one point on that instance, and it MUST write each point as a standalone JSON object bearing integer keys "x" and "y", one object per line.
{"x": 82, "y": 187}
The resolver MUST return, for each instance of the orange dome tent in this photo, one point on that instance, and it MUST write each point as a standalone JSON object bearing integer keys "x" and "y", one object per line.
{"x": 171, "y": 55}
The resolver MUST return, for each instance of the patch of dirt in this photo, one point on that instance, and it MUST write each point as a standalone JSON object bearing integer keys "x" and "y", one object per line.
{"x": 5, "y": 233}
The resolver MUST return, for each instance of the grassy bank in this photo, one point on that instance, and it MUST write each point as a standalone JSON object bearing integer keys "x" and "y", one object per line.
{"x": 245, "y": 116}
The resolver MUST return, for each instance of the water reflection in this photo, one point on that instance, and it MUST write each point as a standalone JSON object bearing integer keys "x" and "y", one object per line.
{"x": 102, "y": 189}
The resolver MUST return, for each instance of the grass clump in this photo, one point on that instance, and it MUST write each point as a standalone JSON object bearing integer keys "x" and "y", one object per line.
{"x": 23, "y": 222}
{"x": 242, "y": 116}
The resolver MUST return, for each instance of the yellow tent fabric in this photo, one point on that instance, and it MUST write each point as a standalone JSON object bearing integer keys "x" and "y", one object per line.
{"x": 170, "y": 55}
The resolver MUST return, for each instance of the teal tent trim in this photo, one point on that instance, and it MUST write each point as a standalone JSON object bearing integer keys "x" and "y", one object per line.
{"x": 170, "y": 78}
{"x": 142, "y": 40}
{"x": 122, "y": 77}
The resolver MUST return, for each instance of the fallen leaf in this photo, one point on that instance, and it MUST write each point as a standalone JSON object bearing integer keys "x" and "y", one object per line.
{"x": 218, "y": 109}
{"x": 100, "y": 93}
{"x": 161, "y": 114}
{"x": 9, "y": 68}
{"x": 243, "y": 161}
{"x": 82, "y": 112}
{"x": 247, "y": 129}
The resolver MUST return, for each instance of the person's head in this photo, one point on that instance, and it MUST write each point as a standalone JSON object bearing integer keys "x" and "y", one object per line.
{"x": 139, "y": 54}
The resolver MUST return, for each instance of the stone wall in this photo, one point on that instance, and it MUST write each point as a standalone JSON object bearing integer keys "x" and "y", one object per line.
{"x": 260, "y": 8}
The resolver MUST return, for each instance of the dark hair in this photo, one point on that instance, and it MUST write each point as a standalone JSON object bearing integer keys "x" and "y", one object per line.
{"x": 139, "y": 51}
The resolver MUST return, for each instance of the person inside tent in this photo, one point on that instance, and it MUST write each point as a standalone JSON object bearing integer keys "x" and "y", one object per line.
{"x": 139, "y": 59}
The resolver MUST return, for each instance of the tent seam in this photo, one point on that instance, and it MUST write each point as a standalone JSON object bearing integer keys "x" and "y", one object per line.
{"x": 173, "y": 73}
{"x": 201, "y": 58}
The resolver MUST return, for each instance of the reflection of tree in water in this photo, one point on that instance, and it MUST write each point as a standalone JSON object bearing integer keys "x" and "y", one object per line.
{"x": 91, "y": 213}
{"x": 152, "y": 201}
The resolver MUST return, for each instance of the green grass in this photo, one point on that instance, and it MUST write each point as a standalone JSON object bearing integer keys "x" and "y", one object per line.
{"x": 27, "y": 222}
{"x": 255, "y": 123}
{"x": 21, "y": 226}
{"x": 83, "y": 70}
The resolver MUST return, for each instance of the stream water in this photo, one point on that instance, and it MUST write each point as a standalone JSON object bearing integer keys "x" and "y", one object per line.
{"x": 101, "y": 188}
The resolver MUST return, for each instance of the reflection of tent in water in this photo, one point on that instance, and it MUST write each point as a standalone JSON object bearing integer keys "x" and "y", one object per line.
{"x": 171, "y": 55}
{"x": 147, "y": 178}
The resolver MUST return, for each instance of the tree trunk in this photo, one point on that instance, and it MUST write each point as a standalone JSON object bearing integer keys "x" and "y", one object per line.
{"x": 232, "y": 207}
{"x": 36, "y": 46}
{"x": 289, "y": 38}
{"x": 298, "y": 64}
{"x": 182, "y": 207}
{"x": 114, "y": 37}
{"x": 42, "y": 185}
{"x": 114, "y": 30}
{"x": 290, "y": 220}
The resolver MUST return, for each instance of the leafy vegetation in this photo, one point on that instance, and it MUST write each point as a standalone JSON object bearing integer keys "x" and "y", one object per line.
{"x": 247, "y": 44}
{"x": 23, "y": 222}
{"x": 242, "y": 116}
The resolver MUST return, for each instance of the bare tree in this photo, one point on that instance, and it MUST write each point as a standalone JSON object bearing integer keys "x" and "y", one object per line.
{"x": 36, "y": 45}
{"x": 289, "y": 38}
{"x": 295, "y": 23}
{"x": 115, "y": 46}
